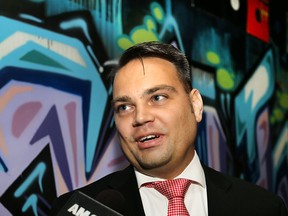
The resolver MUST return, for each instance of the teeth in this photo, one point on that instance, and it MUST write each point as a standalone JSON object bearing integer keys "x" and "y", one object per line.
{"x": 143, "y": 139}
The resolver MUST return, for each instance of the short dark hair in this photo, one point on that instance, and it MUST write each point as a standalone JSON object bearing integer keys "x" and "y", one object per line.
{"x": 159, "y": 50}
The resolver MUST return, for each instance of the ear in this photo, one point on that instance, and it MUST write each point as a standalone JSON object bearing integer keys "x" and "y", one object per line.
{"x": 197, "y": 103}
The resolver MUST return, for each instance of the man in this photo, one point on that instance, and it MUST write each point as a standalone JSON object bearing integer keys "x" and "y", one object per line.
{"x": 156, "y": 114}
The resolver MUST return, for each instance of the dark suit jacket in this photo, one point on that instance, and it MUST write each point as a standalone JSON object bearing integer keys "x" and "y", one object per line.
{"x": 226, "y": 196}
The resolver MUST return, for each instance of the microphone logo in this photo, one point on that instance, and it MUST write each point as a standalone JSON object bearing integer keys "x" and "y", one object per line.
{"x": 79, "y": 211}
{"x": 81, "y": 204}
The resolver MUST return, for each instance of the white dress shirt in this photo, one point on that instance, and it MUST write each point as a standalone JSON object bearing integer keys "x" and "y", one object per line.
{"x": 155, "y": 204}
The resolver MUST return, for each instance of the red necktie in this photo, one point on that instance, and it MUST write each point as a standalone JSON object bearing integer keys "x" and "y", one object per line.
{"x": 174, "y": 190}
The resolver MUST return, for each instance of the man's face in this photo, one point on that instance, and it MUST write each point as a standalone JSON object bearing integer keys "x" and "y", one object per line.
{"x": 155, "y": 118}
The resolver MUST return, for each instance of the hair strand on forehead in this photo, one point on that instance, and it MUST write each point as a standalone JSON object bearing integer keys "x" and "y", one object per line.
{"x": 142, "y": 63}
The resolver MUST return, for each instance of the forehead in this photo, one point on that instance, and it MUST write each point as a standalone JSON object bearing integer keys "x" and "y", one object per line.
{"x": 151, "y": 71}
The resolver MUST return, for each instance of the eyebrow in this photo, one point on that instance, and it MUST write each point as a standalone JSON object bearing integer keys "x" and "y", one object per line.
{"x": 157, "y": 88}
{"x": 120, "y": 99}
{"x": 146, "y": 92}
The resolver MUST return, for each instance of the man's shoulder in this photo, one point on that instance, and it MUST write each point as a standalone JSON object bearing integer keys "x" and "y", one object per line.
{"x": 110, "y": 180}
{"x": 228, "y": 182}
{"x": 238, "y": 192}
{"x": 96, "y": 189}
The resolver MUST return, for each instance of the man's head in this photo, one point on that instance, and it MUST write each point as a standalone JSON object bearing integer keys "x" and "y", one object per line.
{"x": 159, "y": 50}
{"x": 156, "y": 111}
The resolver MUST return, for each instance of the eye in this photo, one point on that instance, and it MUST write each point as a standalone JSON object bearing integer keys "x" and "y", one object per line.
{"x": 123, "y": 108}
{"x": 158, "y": 98}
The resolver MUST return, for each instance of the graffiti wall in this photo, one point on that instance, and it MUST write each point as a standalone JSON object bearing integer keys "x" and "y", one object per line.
{"x": 56, "y": 124}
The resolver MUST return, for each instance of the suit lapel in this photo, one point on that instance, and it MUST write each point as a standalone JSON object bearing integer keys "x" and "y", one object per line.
{"x": 127, "y": 186}
{"x": 219, "y": 201}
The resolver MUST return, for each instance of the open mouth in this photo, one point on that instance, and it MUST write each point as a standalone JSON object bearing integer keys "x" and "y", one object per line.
{"x": 148, "y": 138}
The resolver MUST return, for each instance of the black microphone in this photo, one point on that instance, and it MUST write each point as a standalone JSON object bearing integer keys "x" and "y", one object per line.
{"x": 81, "y": 204}
{"x": 113, "y": 199}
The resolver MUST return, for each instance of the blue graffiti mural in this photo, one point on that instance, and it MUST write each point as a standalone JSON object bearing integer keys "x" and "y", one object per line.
{"x": 56, "y": 123}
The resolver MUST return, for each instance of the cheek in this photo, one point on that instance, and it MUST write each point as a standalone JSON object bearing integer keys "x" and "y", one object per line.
{"x": 124, "y": 131}
{"x": 182, "y": 116}
{"x": 122, "y": 127}
{"x": 184, "y": 122}
{"x": 125, "y": 146}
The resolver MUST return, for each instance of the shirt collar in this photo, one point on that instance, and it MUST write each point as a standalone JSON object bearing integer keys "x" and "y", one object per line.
{"x": 193, "y": 171}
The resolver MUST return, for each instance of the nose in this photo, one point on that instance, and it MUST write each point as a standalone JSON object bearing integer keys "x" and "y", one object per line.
{"x": 142, "y": 116}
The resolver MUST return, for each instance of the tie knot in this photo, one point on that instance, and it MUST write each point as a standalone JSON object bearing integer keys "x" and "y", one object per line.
{"x": 171, "y": 188}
